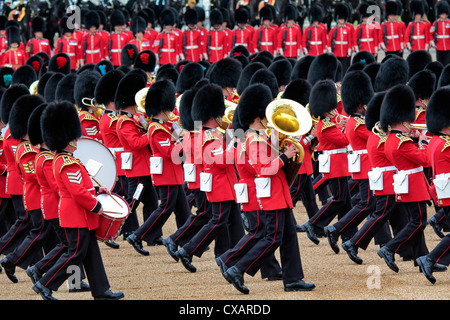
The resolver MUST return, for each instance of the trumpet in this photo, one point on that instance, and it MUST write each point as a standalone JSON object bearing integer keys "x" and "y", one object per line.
{"x": 91, "y": 103}
{"x": 227, "y": 119}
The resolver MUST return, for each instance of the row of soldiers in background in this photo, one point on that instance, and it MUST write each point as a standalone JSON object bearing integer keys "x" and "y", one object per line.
{"x": 91, "y": 43}
{"x": 403, "y": 89}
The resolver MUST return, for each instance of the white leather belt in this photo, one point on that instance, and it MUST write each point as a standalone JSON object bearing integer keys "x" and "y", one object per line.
{"x": 443, "y": 176}
{"x": 93, "y": 51}
{"x": 340, "y": 42}
{"x": 418, "y": 37}
{"x": 291, "y": 43}
{"x": 191, "y": 47}
{"x": 411, "y": 171}
{"x": 315, "y": 42}
{"x": 215, "y": 48}
{"x": 383, "y": 169}
{"x": 241, "y": 44}
{"x": 167, "y": 50}
{"x": 266, "y": 43}
{"x": 363, "y": 151}
{"x": 366, "y": 39}
{"x": 116, "y": 50}
{"x": 446, "y": 36}
{"x": 335, "y": 151}
{"x": 392, "y": 37}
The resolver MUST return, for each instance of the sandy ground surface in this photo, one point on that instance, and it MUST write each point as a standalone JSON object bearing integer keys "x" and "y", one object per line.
{"x": 159, "y": 277}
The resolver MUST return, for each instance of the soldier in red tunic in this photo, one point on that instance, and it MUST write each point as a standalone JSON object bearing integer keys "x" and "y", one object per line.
{"x": 118, "y": 39}
{"x": 315, "y": 38}
{"x": 68, "y": 44}
{"x": 92, "y": 43}
{"x": 38, "y": 43}
{"x": 392, "y": 31}
{"x": 14, "y": 56}
{"x": 166, "y": 46}
{"x": 440, "y": 32}
{"x": 192, "y": 40}
{"x": 265, "y": 37}
{"x": 217, "y": 38}
{"x": 417, "y": 34}
{"x": 241, "y": 35}
{"x": 290, "y": 34}
{"x": 138, "y": 25}
{"x": 366, "y": 35}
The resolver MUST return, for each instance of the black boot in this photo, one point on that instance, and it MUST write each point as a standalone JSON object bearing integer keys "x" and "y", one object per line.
{"x": 352, "y": 252}
{"x": 388, "y": 257}
{"x": 237, "y": 279}
{"x": 10, "y": 269}
{"x": 299, "y": 285}
{"x": 45, "y": 293}
{"x": 109, "y": 295}
{"x": 137, "y": 244}
{"x": 34, "y": 273}
{"x": 223, "y": 268}
{"x": 310, "y": 232}
{"x": 426, "y": 266}
{"x": 332, "y": 236}
{"x": 186, "y": 260}
{"x": 171, "y": 247}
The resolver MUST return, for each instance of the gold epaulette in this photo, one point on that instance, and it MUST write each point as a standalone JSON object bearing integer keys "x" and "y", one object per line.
{"x": 327, "y": 124}
{"x": 113, "y": 118}
{"x": 382, "y": 140}
{"x": 255, "y": 138}
{"x": 67, "y": 161}
{"x": 209, "y": 137}
{"x": 47, "y": 156}
{"x": 28, "y": 148}
{"x": 359, "y": 121}
{"x": 419, "y": 110}
{"x": 125, "y": 118}
{"x": 447, "y": 142}
{"x": 157, "y": 126}
{"x": 402, "y": 139}
{"x": 84, "y": 115}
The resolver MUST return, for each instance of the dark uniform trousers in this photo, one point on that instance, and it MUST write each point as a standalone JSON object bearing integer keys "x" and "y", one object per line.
{"x": 148, "y": 197}
{"x": 303, "y": 190}
{"x": 172, "y": 199}
{"x": 121, "y": 187}
{"x": 256, "y": 232}
{"x": 280, "y": 233}
{"x": 82, "y": 249}
{"x": 195, "y": 221}
{"x": 441, "y": 253}
{"x": 30, "y": 250}
{"x": 19, "y": 230}
{"x": 7, "y": 215}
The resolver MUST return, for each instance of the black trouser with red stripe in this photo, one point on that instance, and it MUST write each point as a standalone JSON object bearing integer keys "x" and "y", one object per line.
{"x": 360, "y": 211}
{"x": 339, "y": 204}
{"x": 172, "y": 200}
{"x": 30, "y": 250}
{"x": 194, "y": 222}
{"x": 280, "y": 233}
{"x": 82, "y": 249}
{"x": 441, "y": 253}
{"x": 221, "y": 211}
{"x": 303, "y": 190}
{"x": 256, "y": 232}
{"x": 19, "y": 230}
{"x": 411, "y": 236}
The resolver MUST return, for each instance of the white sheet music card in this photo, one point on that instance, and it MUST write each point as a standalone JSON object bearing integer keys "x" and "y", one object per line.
{"x": 93, "y": 167}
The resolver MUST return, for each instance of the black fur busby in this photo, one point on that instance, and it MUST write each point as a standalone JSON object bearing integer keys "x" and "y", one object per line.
{"x": 226, "y": 73}
{"x": 59, "y": 62}
{"x": 3, "y": 20}
{"x": 416, "y": 7}
{"x": 225, "y": 15}
{"x": 393, "y": 71}
{"x": 65, "y": 87}
{"x": 363, "y": 12}
{"x": 399, "y": 105}
{"x": 160, "y": 97}
{"x": 35, "y": 62}
{"x": 268, "y": 78}
{"x": 444, "y": 79}
{"x": 138, "y": 24}
{"x": 438, "y": 111}
{"x": 13, "y": 34}
{"x": 189, "y": 76}
{"x": 145, "y": 60}
{"x": 200, "y": 13}
{"x": 64, "y": 26}
{"x": 266, "y": 13}
{"x": 301, "y": 67}
{"x": 127, "y": 88}
{"x": 38, "y": 25}
{"x": 34, "y": 125}
{"x": 106, "y": 87}
{"x": 128, "y": 54}
{"x": 103, "y": 67}
{"x": 282, "y": 70}
{"x": 43, "y": 81}
{"x": 51, "y": 85}
{"x": 252, "y": 104}
{"x": 442, "y": 7}
{"x": 391, "y": 8}
{"x": 323, "y": 98}
{"x": 6, "y": 74}
{"x": 246, "y": 75}
{"x": 241, "y": 16}
{"x": 167, "y": 18}
{"x": 60, "y": 125}
{"x": 436, "y": 68}
{"x": 316, "y": 13}
{"x": 20, "y": 112}
{"x": 190, "y": 16}
{"x": 298, "y": 90}
{"x": 341, "y": 11}
{"x": 24, "y": 74}
{"x": 356, "y": 90}
{"x": 323, "y": 67}
{"x": 10, "y": 96}
{"x": 356, "y": 66}
{"x": 263, "y": 59}
{"x": 243, "y": 60}
{"x": 215, "y": 17}
{"x": 85, "y": 87}
{"x": 372, "y": 115}
{"x": 185, "y": 108}
{"x": 417, "y": 61}
{"x": 208, "y": 103}
{"x": 91, "y": 19}
{"x": 169, "y": 73}
{"x": 363, "y": 56}
{"x": 372, "y": 70}
{"x": 422, "y": 84}
{"x": 117, "y": 19}
{"x": 239, "y": 50}
{"x": 290, "y": 12}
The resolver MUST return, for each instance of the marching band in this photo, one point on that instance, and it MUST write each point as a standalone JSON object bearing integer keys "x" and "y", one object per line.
{"x": 230, "y": 130}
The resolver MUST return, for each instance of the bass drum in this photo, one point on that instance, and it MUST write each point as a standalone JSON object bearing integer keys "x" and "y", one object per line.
{"x": 99, "y": 162}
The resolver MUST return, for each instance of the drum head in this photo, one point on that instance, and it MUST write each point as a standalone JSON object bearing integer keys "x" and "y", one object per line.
{"x": 98, "y": 160}
{"x": 113, "y": 205}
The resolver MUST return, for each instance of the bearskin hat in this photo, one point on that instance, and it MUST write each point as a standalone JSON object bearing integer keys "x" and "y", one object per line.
{"x": 59, "y": 62}
{"x": 298, "y": 90}
{"x": 13, "y": 34}
{"x": 241, "y": 15}
{"x": 65, "y": 87}
{"x": 14, "y": 92}
{"x": 438, "y": 111}
{"x": 43, "y": 81}
{"x": 252, "y": 104}
{"x": 20, "y": 112}
{"x": 38, "y": 25}
{"x": 226, "y": 73}
{"x": 190, "y": 16}
{"x": 372, "y": 115}
{"x": 208, "y": 103}
{"x": 436, "y": 68}
{"x": 51, "y": 85}
{"x": 64, "y": 27}
{"x": 282, "y": 70}
{"x": 60, "y": 125}
{"x": 393, "y": 71}
{"x": 106, "y": 87}
{"x": 442, "y": 7}
{"x": 266, "y": 13}
{"x": 316, "y": 12}
{"x": 128, "y": 54}
{"x": 215, "y": 17}
{"x": 34, "y": 125}
{"x": 160, "y": 97}
{"x": 24, "y": 74}
{"x": 290, "y": 12}
{"x": 323, "y": 98}
{"x": 416, "y": 7}
{"x": 246, "y": 75}
{"x": 323, "y": 67}
{"x": 169, "y": 73}
{"x": 145, "y": 60}
{"x": 356, "y": 90}
{"x": 417, "y": 61}
{"x": 239, "y": 50}
{"x": 422, "y": 84}
{"x": 391, "y": 8}
{"x": 167, "y": 18}
{"x": 189, "y": 76}
{"x": 6, "y": 74}
{"x": 35, "y": 62}
{"x": 301, "y": 67}
{"x": 85, "y": 87}
{"x": 127, "y": 88}
{"x": 117, "y": 19}
{"x": 138, "y": 24}
{"x": 399, "y": 105}
{"x": 91, "y": 19}
{"x": 185, "y": 108}
{"x": 363, "y": 56}
{"x": 268, "y": 78}
{"x": 341, "y": 11}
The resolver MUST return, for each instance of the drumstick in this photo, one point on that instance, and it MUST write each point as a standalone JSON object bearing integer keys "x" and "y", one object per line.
{"x": 107, "y": 193}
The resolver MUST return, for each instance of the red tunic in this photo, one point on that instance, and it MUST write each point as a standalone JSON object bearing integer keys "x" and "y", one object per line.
{"x": 14, "y": 182}
{"x": 116, "y": 42}
{"x": 439, "y": 155}
{"x": 357, "y": 135}
{"x": 290, "y": 40}
{"x": 108, "y": 129}
{"x": 366, "y": 37}
{"x": 192, "y": 43}
{"x": 217, "y": 45}
{"x": 417, "y": 34}
{"x": 71, "y": 48}
{"x": 90, "y": 125}
{"x": 391, "y": 35}
{"x": 47, "y": 182}
{"x": 340, "y": 40}
{"x": 378, "y": 159}
{"x": 315, "y": 39}
{"x": 265, "y": 39}
{"x": 25, "y": 159}
{"x": 93, "y": 47}
{"x": 440, "y": 33}
{"x": 247, "y": 174}
{"x": 38, "y": 45}
{"x": 192, "y": 147}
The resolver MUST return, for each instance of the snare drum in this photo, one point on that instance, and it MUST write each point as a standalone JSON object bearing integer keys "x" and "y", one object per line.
{"x": 115, "y": 211}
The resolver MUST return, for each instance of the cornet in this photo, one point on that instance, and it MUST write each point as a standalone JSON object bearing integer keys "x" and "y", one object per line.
{"x": 90, "y": 102}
